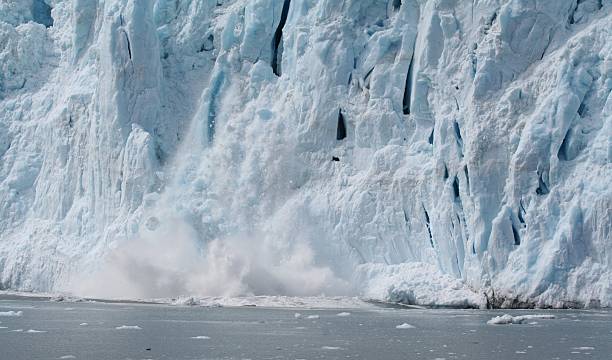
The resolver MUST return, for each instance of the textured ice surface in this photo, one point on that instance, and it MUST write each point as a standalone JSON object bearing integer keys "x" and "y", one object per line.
{"x": 509, "y": 319}
{"x": 404, "y": 326}
{"x": 427, "y": 152}
{"x": 128, "y": 327}
{"x": 11, "y": 313}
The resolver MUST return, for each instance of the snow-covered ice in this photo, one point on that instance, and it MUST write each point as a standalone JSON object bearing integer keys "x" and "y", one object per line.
{"x": 425, "y": 152}
{"x": 520, "y": 319}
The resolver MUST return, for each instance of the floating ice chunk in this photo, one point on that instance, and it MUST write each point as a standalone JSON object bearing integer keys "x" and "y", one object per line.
{"x": 11, "y": 313}
{"x": 187, "y": 301}
{"x": 404, "y": 326}
{"x": 17, "y": 330}
{"x": 3, "y": 327}
{"x": 83, "y": 324}
{"x": 509, "y": 319}
{"x": 297, "y": 315}
{"x": 312, "y": 317}
{"x": 32, "y": 331}
{"x": 200, "y": 337}
{"x": 584, "y": 348}
{"x": 68, "y": 357}
{"x": 331, "y": 348}
{"x": 128, "y": 327}
{"x": 343, "y": 314}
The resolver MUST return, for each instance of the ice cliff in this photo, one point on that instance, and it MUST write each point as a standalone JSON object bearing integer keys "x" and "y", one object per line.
{"x": 442, "y": 152}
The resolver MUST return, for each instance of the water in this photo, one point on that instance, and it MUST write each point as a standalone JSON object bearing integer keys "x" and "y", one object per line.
{"x": 167, "y": 332}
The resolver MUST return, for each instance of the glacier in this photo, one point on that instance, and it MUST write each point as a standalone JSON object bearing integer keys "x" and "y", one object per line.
{"x": 430, "y": 152}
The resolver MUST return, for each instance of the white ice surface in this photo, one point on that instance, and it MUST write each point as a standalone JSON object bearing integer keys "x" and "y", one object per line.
{"x": 520, "y": 319}
{"x": 200, "y": 337}
{"x": 11, "y": 313}
{"x": 128, "y": 327}
{"x": 404, "y": 326}
{"x": 152, "y": 149}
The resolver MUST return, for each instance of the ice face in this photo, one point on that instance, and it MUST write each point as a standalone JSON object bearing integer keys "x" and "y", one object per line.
{"x": 427, "y": 152}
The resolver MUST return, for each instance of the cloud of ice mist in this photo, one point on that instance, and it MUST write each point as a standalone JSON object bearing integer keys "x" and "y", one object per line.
{"x": 169, "y": 262}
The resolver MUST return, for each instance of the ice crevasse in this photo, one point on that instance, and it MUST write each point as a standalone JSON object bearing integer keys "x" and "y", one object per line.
{"x": 438, "y": 152}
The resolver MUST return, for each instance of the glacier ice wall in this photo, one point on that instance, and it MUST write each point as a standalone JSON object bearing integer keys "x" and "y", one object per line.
{"x": 432, "y": 152}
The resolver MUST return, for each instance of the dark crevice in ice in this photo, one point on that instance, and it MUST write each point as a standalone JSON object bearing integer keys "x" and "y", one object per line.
{"x": 458, "y": 137}
{"x": 490, "y": 22}
{"x": 366, "y": 79}
{"x": 445, "y": 172}
{"x": 515, "y": 234}
{"x": 41, "y": 13}
{"x": 562, "y": 154}
{"x": 542, "y": 186}
{"x": 546, "y": 47}
{"x": 335, "y": 158}
{"x": 396, "y": 4}
{"x": 456, "y": 188}
{"x": 458, "y": 133}
{"x": 208, "y": 44}
{"x": 520, "y": 213}
{"x": 407, "y": 88}
{"x": 467, "y": 178}
{"x": 341, "y": 129}
{"x": 129, "y": 45}
{"x": 428, "y": 224}
{"x": 276, "y": 42}
{"x": 582, "y": 109}
{"x": 431, "y": 137}
{"x": 572, "y": 19}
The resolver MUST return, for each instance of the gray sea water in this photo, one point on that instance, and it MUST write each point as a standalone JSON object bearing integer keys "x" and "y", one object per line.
{"x": 114, "y": 331}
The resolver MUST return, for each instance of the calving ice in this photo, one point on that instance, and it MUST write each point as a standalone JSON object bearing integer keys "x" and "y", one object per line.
{"x": 438, "y": 152}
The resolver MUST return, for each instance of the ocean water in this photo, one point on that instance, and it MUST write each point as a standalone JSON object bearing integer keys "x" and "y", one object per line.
{"x": 39, "y": 329}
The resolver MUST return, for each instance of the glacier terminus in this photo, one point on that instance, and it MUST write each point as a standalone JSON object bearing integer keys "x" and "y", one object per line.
{"x": 426, "y": 152}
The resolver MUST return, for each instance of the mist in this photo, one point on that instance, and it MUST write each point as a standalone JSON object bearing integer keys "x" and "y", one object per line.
{"x": 171, "y": 261}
